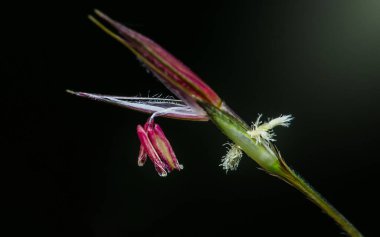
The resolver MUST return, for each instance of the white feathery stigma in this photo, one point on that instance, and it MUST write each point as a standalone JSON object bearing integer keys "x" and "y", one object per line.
{"x": 263, "y": 132}
{"x": 231, "y": 160}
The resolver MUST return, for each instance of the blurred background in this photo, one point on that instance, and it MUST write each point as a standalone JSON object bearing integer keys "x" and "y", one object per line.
{"x": 72, "y": 162}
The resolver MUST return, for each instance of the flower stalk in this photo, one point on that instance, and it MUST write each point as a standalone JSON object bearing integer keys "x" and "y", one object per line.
{"x": 198, "y": 102}
{"x": 296, "y": 181}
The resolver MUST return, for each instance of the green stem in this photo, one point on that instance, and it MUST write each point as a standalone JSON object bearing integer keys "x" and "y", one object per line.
{"x": 294, "y": 179}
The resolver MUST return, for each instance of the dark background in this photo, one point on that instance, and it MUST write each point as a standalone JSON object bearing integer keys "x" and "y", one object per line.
{"x": 72, "y": 162}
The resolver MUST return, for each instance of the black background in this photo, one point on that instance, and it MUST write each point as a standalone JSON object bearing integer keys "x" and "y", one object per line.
{"x": 73, "y": 164}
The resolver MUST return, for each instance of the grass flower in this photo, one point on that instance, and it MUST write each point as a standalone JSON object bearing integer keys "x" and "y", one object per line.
{"x": 198, "y": 102}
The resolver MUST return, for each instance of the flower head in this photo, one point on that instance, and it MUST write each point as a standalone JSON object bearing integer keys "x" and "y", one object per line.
{"x": 199, "y": 102}
{"x": 196, "y": 101}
